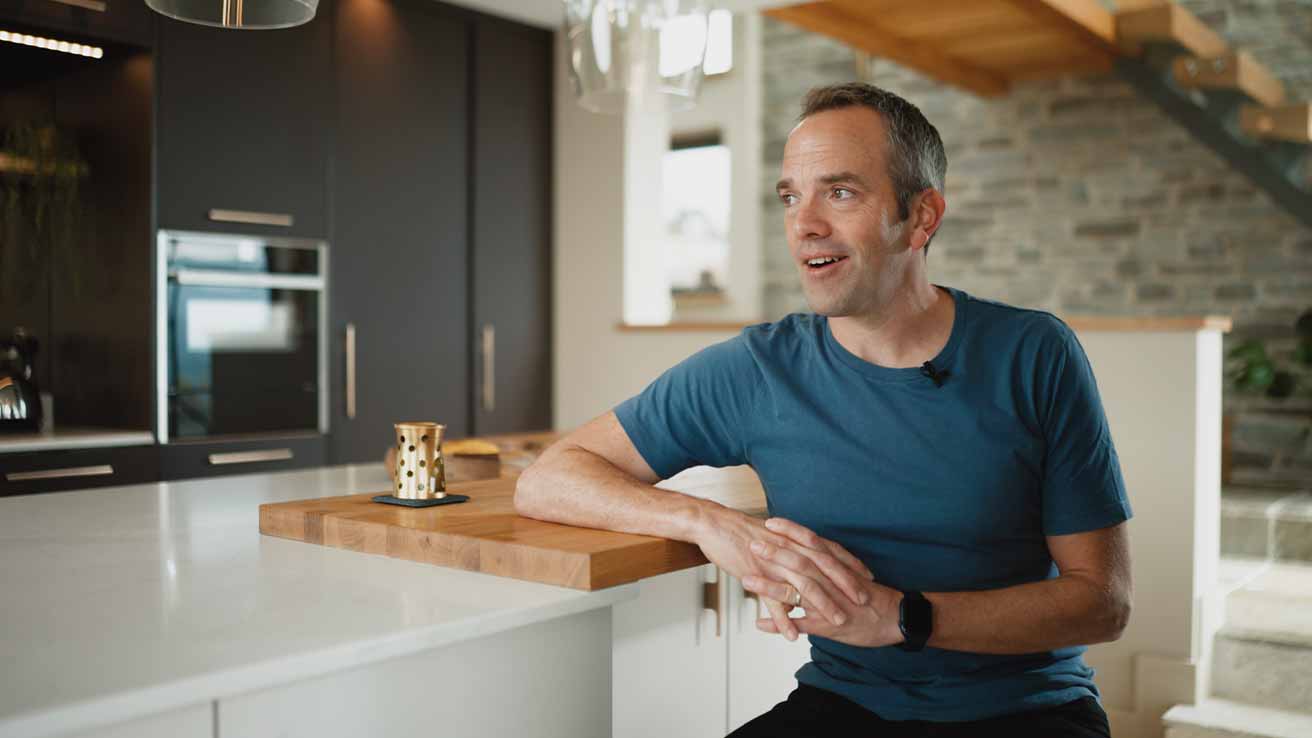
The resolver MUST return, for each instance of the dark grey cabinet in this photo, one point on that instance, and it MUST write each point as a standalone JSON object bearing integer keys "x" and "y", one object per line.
{"x": 57, "y": 471}
{"x": 244, "y": 127}
{"x": 511, "y": 210}
{"x": 216, "y": 458}
{"x": 400, "y": 236}
{"x": 124, "y": 21}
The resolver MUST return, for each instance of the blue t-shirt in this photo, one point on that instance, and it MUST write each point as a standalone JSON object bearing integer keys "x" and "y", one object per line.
{"x": 936, "y": 489}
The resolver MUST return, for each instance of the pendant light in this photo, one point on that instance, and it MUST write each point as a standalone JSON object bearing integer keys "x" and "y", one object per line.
{"x": 239, "y": 14}
{"x": 641, "y": 55}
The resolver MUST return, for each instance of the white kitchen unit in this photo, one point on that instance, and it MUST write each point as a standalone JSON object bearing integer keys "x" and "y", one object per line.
{"x": 761, "y": 665}
{"x": 159, "y": 610}
{"x": 689, "y": 661}
{"x": 549, "y": 680}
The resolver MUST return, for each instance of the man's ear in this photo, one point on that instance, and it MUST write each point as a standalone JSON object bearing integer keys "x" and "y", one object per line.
{"x": 927, "y": 211}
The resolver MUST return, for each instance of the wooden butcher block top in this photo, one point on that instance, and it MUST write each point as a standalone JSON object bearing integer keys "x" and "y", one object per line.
{"x": 486, "y": 535}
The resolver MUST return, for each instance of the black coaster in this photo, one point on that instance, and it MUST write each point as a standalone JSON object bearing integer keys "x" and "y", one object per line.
{"x": 448, "y": 500}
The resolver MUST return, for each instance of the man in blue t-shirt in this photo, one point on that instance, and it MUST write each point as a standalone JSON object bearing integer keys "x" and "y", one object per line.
{"x": 946, "y": 502}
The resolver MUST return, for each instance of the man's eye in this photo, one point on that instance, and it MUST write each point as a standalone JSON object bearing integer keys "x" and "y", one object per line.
{"x": 788, "y": 198}
{"x": 842, "y": 193}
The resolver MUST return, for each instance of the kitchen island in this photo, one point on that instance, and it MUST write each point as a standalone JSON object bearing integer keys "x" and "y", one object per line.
{"x": 161, "y": 609}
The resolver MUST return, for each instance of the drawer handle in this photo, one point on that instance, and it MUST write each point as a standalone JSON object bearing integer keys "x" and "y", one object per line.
{"x": 711, "y": 600}
{"x": 100, "y": 470}
{"x": 97, "y": 5}
{"x": 250, "y": 457}
{"x": 253, "y": 217}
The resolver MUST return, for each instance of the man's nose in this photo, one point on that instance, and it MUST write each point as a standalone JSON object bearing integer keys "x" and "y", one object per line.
{"x": 809, "y": 221}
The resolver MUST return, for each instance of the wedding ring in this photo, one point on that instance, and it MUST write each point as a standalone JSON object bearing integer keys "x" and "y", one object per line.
{"x": 796, "y": 599}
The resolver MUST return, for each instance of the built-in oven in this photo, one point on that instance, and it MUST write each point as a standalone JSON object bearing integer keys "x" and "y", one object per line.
{"x": 242, "y": 336}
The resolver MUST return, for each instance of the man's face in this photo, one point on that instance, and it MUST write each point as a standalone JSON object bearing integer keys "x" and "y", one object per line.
{"x": 839, "y": 205}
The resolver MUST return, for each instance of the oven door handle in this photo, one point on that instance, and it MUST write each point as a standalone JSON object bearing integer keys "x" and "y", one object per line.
{"x": 213, "y": 278}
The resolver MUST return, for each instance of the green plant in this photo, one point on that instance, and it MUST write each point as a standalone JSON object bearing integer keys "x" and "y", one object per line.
{"x": 1252, "y": 368}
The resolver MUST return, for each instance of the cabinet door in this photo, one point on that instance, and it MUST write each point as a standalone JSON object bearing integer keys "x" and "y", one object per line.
{"x": 57, "y": 471}
{"x": 668, "y": 662}
{"x": 399, "y": 256}
{"x": 761, "y": 665}
{"x": 511, "y": 253}
{"x": 128, "y": 21}
{"x": 189, "y": 460}
{"x": 243, "y": 127}
{"x": 545, "y": 680}
{"x": 189, "y": 722}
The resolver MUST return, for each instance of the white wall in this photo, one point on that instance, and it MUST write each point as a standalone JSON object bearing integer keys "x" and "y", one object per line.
{"x": 1162, "y": 394}
{"x": 597, "y": 366}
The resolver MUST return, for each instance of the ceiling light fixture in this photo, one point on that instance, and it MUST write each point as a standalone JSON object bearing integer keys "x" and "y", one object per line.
{"x": 50, "y": 44}
{"x": 644, "y": 55}
{"x": 256, "y": 15}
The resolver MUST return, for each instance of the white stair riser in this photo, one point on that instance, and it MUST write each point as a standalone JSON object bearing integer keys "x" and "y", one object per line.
{"x": 1261, "y": 673}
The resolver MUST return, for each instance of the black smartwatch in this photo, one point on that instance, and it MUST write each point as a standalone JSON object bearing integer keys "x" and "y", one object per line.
{"x": 915, "y": 618}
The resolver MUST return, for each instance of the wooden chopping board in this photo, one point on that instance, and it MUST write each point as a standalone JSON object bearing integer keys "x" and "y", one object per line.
{"x": 486, "y": 535}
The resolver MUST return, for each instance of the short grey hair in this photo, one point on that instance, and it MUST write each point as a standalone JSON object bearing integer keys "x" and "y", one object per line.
{"x": 916, "y": 159}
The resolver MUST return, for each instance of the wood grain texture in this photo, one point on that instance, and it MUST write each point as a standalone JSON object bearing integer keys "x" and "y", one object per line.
{"x": 1079, "y": 323}
{"x": 856, "y": 26}
{"x": 486, "y": 535}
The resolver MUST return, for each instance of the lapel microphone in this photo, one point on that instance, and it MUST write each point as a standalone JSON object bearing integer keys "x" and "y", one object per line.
{"x": 938, "y": 377}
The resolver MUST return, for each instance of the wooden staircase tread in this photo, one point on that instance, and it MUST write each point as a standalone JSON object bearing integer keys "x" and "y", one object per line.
{"x": 1166, "y": 23}
{"x": 1235, "y": 70}
{"x": 1282, "y": 123}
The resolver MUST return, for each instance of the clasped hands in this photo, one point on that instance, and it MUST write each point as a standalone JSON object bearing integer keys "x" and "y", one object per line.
{"x": 838, "y": 592}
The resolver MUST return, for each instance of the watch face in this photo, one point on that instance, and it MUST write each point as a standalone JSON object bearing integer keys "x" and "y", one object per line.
{"x": 918, "y": 616}
{"x": 916, "y": 620}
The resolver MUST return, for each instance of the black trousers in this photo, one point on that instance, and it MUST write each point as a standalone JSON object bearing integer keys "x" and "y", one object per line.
{"x": 815, "y": 713}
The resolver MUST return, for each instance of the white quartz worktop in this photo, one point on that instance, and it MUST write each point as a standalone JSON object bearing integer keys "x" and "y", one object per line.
{"x": 122, "y": 602}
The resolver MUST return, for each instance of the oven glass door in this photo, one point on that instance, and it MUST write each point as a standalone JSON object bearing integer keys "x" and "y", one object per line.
{"x": 242, "y": 360}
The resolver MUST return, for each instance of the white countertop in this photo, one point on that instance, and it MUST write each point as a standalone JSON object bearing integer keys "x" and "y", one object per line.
{"x": 122, "y": 602}
{"x": 74, "y": 438}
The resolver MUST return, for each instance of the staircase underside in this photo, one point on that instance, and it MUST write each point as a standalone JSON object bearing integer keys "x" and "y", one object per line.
{"x": 1224, "y": 97}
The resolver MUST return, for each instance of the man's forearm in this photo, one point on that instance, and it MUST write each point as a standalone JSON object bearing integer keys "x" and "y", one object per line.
{"x": 1028, "y": 618}
{"x": 574, "y": 486}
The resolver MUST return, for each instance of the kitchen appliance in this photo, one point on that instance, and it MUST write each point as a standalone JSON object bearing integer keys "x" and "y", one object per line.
{"x": 242, "y": 331}
{"x": 20, "y": 400}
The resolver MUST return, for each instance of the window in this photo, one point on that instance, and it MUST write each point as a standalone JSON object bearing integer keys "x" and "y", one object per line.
{"x": 695, "y": 211}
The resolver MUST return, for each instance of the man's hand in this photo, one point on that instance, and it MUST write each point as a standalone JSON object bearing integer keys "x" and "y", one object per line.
{"x": 824, "y": 572}
{"x": 730, "y": 538}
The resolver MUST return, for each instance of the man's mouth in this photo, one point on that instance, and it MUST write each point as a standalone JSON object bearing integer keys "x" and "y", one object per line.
{"x": 822, "y": 263}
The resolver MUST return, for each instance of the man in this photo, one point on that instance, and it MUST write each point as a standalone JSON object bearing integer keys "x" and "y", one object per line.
{"x": 948, "y": 506}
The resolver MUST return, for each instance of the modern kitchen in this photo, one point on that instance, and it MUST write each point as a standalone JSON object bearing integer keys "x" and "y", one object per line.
{"x": 292, "y": 293}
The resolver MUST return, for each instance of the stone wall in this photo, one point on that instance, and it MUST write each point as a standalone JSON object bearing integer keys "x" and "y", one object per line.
{"x": 1080, "y": 197}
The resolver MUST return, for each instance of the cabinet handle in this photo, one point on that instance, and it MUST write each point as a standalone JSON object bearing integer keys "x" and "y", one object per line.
{"x": 253, "y": 217}
{"x": 753, "y": 597}
{"x": 250, "y": 457}
{"x": 350, "y": 371}
{"x": 100, "y": 470}
{"x": 489, "y": 368}
{"x": 98, "y": 6}
{"x": 711, "y": 600}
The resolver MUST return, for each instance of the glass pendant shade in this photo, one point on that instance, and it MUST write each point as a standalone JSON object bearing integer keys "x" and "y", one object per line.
{"x": 240, "y": 14}
{"x": 636, "y": 54}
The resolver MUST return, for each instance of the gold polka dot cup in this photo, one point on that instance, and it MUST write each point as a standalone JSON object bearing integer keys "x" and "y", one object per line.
{"x": 420, "y": 470}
